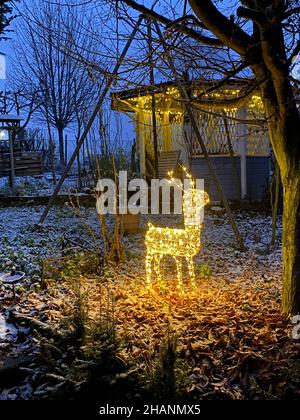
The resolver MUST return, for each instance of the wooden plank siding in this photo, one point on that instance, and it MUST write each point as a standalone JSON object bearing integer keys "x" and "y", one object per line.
{"x": 223, "y": 167}
{"x": 258, "y": 175}
{"x": 26, "y": 164}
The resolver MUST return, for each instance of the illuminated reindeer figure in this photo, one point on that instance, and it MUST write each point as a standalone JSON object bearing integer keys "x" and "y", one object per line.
{"x": 179, "y": 243}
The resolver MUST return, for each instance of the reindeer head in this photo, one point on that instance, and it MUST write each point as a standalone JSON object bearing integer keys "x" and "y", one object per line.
{"x": 194, "y": 201}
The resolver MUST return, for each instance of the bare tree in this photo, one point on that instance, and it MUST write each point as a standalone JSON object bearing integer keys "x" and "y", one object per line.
{"x": 51, "y": 65}
{"x": 261, "y": 40}
{"x": 269, "y": 52}
{"x": 5, "y": 17}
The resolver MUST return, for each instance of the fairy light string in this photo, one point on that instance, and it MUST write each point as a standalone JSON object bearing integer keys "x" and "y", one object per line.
{"x": 178, "y": 243}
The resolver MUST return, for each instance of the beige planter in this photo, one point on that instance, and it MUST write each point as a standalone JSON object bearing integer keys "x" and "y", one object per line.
{"x": 131, "y": 222}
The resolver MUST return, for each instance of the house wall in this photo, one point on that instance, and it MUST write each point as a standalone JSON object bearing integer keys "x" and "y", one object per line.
{"x": 250, "y": 145}
{"x": 258, "y": 174}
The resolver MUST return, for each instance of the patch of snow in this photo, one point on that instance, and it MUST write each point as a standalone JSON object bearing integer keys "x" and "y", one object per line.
{"x": 6, "y": 329}
{"x": 38, "y": 186}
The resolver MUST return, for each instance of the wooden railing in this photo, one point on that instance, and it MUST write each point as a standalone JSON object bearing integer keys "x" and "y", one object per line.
{"x": 215, "y": 132}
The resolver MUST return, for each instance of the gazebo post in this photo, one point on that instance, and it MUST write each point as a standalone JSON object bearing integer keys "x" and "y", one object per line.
{"x": 12, "y": 173}
{"x": 140, "y": 139}
{"x": 11, "y": 124}
{"x": 242, "y": 132}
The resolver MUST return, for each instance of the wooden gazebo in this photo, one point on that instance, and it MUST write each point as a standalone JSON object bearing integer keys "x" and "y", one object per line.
{"x": 238, "y": 150}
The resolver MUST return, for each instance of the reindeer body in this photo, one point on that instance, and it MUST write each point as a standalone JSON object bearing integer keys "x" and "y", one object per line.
{"x": 179, "y": 243}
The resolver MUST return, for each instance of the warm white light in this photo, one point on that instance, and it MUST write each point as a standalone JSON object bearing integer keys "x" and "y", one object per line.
{"x": 179, "y": 243}
{"x": 2, "y": 135}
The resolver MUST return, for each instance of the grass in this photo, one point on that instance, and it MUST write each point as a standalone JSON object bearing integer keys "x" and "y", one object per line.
{"x": 163, "y": 378}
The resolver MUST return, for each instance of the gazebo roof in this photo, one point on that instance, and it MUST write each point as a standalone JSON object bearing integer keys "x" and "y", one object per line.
{"x": 6, "y": 118}
{"x": 230, "y": 94}
{"x": 163, "y": 86}
{"x": 127, "y": 100}
{"x": 10, "y": 122}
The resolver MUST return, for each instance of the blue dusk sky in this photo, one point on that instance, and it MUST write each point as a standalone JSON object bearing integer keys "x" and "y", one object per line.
{"x": 6, "y": 47}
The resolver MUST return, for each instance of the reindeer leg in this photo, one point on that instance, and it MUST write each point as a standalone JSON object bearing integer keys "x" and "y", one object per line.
{"x": 179, "y": 273}
{"x": 157, "y": 260}
{"x": 148, "y": 263}
{"x": 191, "y": 270}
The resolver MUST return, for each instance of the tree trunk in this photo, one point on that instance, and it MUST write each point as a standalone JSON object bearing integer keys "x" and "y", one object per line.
{"x": 78, "y": 166}
{"x": 275, "y": 202}
{"x": 283, "y": 127}
{"x": 52, "y": 156}
{"x": 286, "y": 146}
{"x": 268, "y": 52}
{"x": 291, "y": 243}
{"x": 61, "y": 144}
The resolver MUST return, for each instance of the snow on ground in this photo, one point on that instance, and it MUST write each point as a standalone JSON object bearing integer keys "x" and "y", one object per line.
{"x": 37, "y": 186}
{"x": 23, "y": 243}
{"x": 242, "y": 295}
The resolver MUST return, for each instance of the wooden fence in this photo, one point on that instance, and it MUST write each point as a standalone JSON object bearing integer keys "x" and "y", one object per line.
{"x": 26, "y": 163}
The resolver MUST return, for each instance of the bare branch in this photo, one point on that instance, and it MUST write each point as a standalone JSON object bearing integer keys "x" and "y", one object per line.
{"x": 294, "y": 11}
{"x": 295, "y": 52}
{"x": 223, "y": 28}
{"x": 175, "y": 26}
{"x": 251, "y": 14}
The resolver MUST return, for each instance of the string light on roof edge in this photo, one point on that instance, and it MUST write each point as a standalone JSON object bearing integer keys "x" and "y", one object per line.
{"x": 178, "y": 243}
